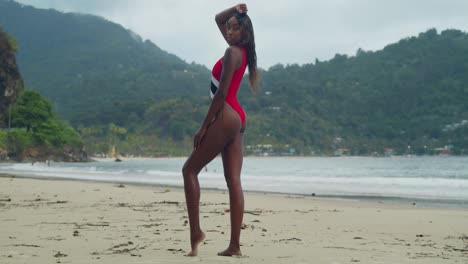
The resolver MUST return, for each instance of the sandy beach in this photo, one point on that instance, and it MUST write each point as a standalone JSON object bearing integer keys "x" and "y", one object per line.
{"x": 54, "y": 221}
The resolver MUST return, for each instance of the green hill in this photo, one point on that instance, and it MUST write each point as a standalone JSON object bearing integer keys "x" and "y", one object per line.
{"x": 411, "y": 93}
{"x": 85, "y": 64}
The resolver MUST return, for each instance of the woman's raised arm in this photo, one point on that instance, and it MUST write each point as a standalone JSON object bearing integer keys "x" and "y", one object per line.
{"x": 224, "y": 15}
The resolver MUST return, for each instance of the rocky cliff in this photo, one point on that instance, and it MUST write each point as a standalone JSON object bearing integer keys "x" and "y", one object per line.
{"x": 11, "y": 83}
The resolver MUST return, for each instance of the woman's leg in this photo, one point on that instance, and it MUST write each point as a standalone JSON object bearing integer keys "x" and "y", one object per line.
{"x": 232, "y": 163}
{"x": 218, "y": 135}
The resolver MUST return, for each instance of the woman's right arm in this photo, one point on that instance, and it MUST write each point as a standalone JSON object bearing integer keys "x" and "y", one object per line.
{"x": 224, "y": 15}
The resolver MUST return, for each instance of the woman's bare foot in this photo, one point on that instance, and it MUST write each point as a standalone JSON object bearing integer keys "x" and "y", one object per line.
{"x": 231, "y": 251}
{"x": 196, "y": 240}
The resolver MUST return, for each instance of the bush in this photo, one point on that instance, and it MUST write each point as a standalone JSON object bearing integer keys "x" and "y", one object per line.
{"x": 17, "y": 140}
{"x": 3, "y": 139}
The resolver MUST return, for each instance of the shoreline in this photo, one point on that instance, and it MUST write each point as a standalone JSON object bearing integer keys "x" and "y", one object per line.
{"x": 52, "y": 221}
{"x": 385, "y": 200}
{"x": 290, "y": 156}
{"x": 99, "y": 159}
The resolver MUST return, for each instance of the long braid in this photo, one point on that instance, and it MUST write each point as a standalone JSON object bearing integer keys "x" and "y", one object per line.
{"x": 249, "y": 44}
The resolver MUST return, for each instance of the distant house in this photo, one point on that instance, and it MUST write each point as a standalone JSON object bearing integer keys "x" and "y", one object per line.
{"x": 341, "y": 152}
{"x": 276, "y": 108}
{"x": 443, "y": 151}
{"x": 388, "y": 152}
{"x": 262, "y": 149}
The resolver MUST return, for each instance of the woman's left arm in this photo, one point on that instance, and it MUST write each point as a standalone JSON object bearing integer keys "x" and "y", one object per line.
{"x": 231, "y": 62}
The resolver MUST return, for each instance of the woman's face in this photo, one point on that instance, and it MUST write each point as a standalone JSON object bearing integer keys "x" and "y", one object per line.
{"x": 233, "y": 31}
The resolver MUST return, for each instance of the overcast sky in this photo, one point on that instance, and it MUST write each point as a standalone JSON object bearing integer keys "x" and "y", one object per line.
{"x": 288, "y": 31}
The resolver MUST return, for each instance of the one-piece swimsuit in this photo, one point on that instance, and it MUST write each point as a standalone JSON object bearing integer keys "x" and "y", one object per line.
{"x": 231, "y": 97}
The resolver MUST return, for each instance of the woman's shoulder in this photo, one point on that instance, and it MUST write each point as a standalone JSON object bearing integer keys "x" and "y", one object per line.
{"x": 233, "y": 51}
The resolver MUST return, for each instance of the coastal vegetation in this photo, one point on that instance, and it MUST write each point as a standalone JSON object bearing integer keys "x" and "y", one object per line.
{"x": 117, "y": 89}
{"x": 34, "y": 132}
{"x": 38, "y": 134}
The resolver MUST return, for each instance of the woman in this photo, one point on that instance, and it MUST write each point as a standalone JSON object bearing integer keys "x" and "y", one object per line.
{"x": 224, "y": 124}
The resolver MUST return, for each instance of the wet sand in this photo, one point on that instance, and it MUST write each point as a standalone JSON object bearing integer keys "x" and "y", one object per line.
{"x": 56, "y": 221}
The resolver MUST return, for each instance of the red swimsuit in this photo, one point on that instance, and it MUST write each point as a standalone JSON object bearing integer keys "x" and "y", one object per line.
{"x": 231, "y": 97}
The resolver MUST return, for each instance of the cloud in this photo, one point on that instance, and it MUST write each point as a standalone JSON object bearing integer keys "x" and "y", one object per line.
{"x": 287, "y": 31}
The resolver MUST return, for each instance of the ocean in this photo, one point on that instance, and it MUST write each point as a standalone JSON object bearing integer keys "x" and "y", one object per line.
{"x": 429, "y": 180}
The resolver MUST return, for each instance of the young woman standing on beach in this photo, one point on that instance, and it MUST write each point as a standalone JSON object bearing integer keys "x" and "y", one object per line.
{"x": 224, "y": 124}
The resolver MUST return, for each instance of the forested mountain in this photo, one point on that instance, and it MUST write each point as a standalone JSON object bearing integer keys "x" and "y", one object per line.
{"x": 412, "y": 93}
{"x": 85, "y": 64}
{"x": 410, "y": 97}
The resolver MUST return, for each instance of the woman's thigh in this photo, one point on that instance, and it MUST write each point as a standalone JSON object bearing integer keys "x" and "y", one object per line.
{"x": 219, "y": 134}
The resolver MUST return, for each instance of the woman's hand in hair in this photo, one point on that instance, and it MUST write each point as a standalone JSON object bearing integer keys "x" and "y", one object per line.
{"x": 241, "y": 8}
